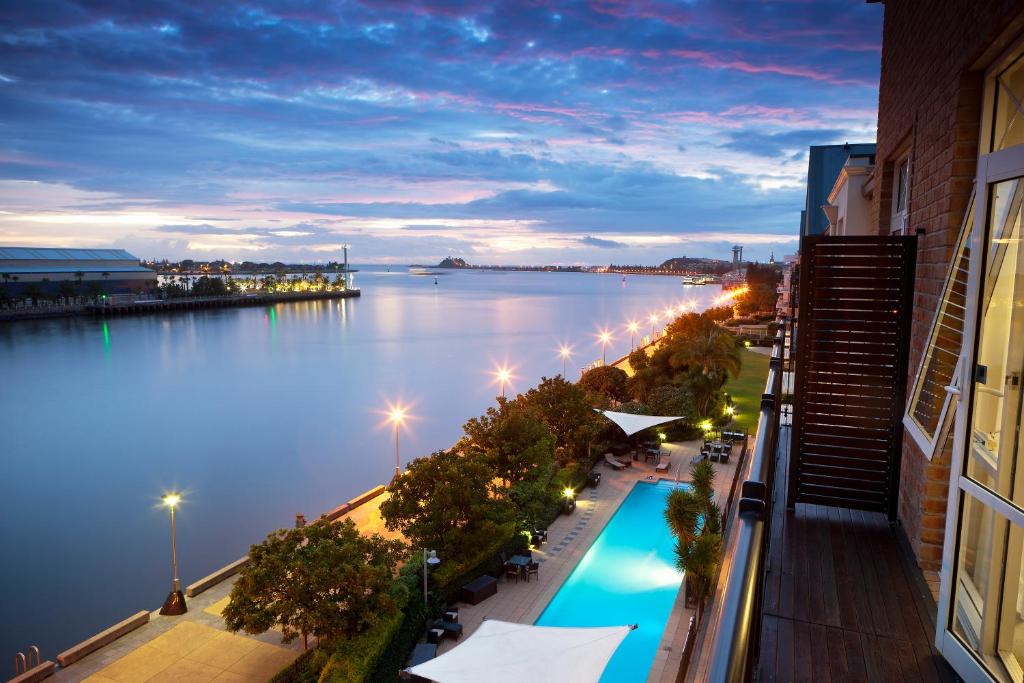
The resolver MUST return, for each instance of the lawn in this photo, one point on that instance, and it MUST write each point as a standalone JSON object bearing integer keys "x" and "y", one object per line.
{"x": 746, "y": 389}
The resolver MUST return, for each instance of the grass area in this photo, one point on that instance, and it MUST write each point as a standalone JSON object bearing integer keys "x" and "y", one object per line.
{"x": 746, "y": 389}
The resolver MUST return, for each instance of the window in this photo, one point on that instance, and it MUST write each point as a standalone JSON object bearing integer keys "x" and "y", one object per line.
{"x": 928, "y": 417}
{"x": 1008, "y": 122}
{"x": 900, "y": 198}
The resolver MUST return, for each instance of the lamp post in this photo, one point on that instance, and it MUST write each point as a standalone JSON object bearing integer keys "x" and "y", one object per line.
{"x": 605, "y": 337}
{"x": 397, "y": 416}
{"x": 633, "y": 326}
{"x": 564, "y": 352}
{"x": 654, "y": 321}
{"x": 430, "y": 560}
{"x": 503, "y": 374}
{"x": 175, "y": 602}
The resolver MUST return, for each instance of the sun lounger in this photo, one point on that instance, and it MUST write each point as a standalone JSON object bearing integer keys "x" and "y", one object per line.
{"x": 663, "y": 466}
{"x": 613, "y": 462}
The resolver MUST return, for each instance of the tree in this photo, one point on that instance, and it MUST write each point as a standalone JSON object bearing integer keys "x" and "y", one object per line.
{"x": 567, "y": 411}
{"x": 443, "y": 502}
{"x": 512, "y": 440}
{"x": 695, "y": 521}
{"x": 325, "y": 580}
{"x": 606, "y": 381}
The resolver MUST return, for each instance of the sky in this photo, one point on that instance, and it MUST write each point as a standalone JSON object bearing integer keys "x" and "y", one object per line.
{"x": 530, "y": 132}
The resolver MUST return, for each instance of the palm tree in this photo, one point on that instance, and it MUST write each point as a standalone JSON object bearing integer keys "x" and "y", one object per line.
{"x": 714, "y": 351}
{"x": 696, "y": 522}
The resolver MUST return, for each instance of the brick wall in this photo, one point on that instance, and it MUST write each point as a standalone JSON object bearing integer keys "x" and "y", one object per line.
{"x": 930, "y": 99}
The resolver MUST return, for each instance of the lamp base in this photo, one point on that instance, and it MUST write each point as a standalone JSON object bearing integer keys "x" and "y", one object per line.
{"x": 174, "y": 604}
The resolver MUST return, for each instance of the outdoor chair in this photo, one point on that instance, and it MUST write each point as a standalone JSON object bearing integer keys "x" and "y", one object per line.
{"x": 448, "y": 628}
{"x": 613, "y": 462}
{"x": 539, "y": 536}
{"x": 724, "y": 457}
{"x": 532, "y": 568}
{"x": 663, "y": 466}
{"x": 594, "y": 479}
{"x": 451, "y": 614}
{"x": 511, "y": 571}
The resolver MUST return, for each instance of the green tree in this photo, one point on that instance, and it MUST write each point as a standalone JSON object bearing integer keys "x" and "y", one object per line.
{"x": 444, "y": 502}
{"x": 606, "y": 381}
{"x": 325, "y": 580}
{"x": 512, "y": 440}
{"x": 567, "y": 411}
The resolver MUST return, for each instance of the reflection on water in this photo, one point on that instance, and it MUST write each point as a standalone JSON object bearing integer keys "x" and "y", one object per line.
{"x": 257, "y": 414}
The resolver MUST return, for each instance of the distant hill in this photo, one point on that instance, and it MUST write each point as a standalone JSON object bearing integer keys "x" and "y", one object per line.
{"x": 701, "y": 265}
{"x": 453, "y": 262}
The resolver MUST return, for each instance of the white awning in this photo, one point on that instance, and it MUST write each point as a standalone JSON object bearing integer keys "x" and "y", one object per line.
{"x": 631, "y": 424}
{"x": 500, "y": 652}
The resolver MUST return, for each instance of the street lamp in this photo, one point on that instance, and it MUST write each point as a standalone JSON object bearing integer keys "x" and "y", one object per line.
{"x": 504, "y": 375}
{"x": 654, "y": 321}
{"x": 396, "y": 416}
{"x": 633, "y": 326}
{"x": 564, "y": 352}
{"x": 175, "y": 602}
{"x": 431, "y": 560}
{"x": 605, "y": 336}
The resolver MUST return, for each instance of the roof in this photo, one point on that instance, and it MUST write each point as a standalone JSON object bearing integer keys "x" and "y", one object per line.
{"x": 112, "y": 269}
{"x": 503, "y": 652}
{"x": 54, "y": 254}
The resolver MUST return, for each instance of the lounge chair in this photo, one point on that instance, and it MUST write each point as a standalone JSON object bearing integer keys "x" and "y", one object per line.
{"x": 451, "y": 630}
{"x": 613, "y": 462}
{"x": 663, "y": 466}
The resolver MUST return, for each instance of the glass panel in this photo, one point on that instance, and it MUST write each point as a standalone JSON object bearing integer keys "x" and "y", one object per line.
{"x": 985, "y": 611}
{"x": 930, "y": 399}
{"x": 994, "y": 447}
{"x": 1008, "y": 125}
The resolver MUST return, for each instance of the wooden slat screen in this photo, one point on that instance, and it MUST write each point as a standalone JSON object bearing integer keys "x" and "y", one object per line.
{"x": 856, "y": 295}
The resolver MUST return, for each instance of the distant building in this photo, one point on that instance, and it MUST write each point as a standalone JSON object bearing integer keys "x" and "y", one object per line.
{"x": 110, "y": 271}
{"x": 849, "y": 203}
{"x": 824, "y": 164}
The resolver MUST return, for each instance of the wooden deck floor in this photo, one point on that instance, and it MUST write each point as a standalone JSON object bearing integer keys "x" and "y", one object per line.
{"x": 844, "y": 601}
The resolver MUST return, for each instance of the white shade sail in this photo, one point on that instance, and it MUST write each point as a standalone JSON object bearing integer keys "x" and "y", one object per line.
{"x": 631, "y": 424}
{"x": 500, "y": 652}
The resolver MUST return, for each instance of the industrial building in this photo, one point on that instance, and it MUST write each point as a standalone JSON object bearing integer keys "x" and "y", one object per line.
{"x": 90, "y": 271}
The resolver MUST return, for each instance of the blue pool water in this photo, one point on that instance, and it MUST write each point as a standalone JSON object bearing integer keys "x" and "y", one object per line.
{"x": 628, "y": 576}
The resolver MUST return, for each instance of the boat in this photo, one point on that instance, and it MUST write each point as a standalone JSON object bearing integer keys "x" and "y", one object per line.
{"x": 696, "y": 279}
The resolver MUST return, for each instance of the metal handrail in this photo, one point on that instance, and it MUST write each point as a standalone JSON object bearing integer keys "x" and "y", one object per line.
{"x": 736, "y": 639}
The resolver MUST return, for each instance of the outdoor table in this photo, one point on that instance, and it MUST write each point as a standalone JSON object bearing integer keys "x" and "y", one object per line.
{"x": 519, "y": 561}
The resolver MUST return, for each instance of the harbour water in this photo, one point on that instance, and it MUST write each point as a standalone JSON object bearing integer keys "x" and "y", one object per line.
{"x": 256, "y": 414}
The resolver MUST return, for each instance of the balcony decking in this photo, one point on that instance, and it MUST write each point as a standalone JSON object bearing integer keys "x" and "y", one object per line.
{"x": 844, "y": 600}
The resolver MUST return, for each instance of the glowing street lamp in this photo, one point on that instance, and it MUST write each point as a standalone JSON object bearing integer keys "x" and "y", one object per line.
{"x": 175, "y": 602}
{"x": 604, "y": 337}
{"x": 396, "y": 416}
{"x": 503, "y": 375}
{"x": 569, "y": 492}
{"x": 730, "y": 410}
{"x": 633, "y": 326}
{"x": 668, "y": 312}
{"x": 564, "y": 352}
{"x": 653, "y": 318}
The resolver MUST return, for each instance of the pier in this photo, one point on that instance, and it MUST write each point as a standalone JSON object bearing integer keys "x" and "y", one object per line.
{"x": 113, "y": 307}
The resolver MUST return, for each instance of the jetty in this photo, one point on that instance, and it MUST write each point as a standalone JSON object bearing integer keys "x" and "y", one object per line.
{"x": 114, "y": 306}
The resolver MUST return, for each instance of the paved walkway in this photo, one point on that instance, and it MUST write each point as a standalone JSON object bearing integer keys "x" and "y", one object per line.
{"x": 569, "y": 538}
{"x": 192, "y": 648}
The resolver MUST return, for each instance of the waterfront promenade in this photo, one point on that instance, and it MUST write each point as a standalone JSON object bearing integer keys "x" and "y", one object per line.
{"x": 197, "y": 647}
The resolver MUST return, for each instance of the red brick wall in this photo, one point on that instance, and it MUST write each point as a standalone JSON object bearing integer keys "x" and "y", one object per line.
{"x": 930, "y": 99}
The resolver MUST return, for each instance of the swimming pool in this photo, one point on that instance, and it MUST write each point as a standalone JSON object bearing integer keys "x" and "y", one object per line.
{"x": 628, "y": 576}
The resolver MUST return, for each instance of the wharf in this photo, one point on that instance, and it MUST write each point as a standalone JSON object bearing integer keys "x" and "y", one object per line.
{"x": 195, "y": 303}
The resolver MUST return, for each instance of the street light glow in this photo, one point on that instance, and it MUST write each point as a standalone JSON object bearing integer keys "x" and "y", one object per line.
{"x": 503, "y": 375}
{"x": 396, "y": 415}
{"x": 653, "y": 318}
{"x": 605, "y": 336}
{"x": 171, "y": 499}
{"x": 565, "y": 351}
{"x": 568, "y": 492}
{"x": 633, "y": 326}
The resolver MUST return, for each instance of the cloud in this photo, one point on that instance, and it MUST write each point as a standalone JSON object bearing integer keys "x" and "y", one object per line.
{"x": 292, "y": 127}
{"x": 591, "y": 241}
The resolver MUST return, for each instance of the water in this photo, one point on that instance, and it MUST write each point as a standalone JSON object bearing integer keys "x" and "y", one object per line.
{"x": 256, "y": 414}
{"x": 628, "y": 576}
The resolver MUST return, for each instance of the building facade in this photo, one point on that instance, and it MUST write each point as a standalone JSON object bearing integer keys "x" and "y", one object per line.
{"x": 824, "y": 163}
{"x": 89, "y": 271}
{"x": 950, "y": 168}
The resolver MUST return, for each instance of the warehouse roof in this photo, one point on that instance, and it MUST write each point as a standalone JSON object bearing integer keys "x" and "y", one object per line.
{"x": 52, "y": 254}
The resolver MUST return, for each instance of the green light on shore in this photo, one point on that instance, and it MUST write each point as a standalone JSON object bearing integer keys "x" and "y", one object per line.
{"x": 106, "y": 337}
{"x": 272, "y": 315}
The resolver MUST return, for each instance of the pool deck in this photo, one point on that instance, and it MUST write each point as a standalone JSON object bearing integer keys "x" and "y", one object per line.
{"x": 569, "y": 538}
